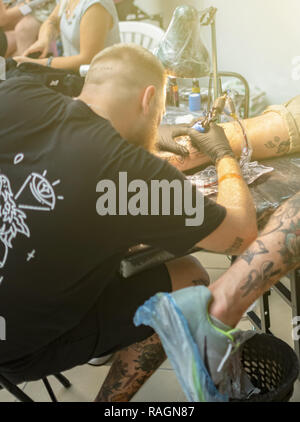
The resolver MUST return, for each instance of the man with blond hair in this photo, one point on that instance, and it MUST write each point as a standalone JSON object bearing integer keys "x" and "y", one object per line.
{"x": 61, "y": 293}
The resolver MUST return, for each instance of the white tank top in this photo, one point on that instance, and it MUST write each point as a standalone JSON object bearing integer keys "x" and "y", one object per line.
{"x": 70, "y": 28}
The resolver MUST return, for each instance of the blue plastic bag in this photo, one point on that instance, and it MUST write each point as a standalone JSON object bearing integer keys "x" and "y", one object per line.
{"x": 163, "y": 315}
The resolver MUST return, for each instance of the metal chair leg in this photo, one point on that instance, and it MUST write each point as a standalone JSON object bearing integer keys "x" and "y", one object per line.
{"x": 63, "y": 380}
{"x": 14, "y": 390}
{"x": 20, "y": 395}
{"x": 49, "y": 389}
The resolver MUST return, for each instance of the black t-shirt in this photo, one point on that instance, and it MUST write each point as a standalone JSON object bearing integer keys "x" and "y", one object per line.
{"x": 56, "y": 253}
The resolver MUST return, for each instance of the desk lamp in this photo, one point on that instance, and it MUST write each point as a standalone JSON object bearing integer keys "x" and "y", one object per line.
{"x": 184, "y": 55}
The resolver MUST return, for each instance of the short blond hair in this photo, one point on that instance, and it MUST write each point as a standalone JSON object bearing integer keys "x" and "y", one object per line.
{"x": 131, "y": 63}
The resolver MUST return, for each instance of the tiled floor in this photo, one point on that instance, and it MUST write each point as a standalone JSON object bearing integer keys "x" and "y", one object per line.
{"x": 163, "y": 385}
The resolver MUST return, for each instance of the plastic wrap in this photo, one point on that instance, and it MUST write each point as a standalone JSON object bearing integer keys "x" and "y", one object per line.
{"x": 162, "y": 314}
{"x": 182, "y": 346}
{"x": 181, "y": 50}
{"x": 207, "y": 180}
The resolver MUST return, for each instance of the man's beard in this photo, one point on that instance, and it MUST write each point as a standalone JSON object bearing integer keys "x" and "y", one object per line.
{"x": 147, "y": 137}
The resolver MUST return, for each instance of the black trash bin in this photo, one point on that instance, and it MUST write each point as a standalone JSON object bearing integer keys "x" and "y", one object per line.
{"x": 272, "y": 366}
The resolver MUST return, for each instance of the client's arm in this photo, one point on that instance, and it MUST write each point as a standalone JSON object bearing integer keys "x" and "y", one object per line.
{"x": 267, "y": 134}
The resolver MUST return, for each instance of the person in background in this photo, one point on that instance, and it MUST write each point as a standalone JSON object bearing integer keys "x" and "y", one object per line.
{"x": 85, "y": 27}
{"x": 27, "y": 29}
{"x": 20, "y": 31}
{"x": 9, "y": 17}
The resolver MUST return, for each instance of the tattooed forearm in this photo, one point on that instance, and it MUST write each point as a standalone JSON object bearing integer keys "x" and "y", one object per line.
{"x": 290, "y": 250}
{"x": 281, "y": 147}
{"x": 257, "y": 249}
{"x": 259, "y": 280}
{"x": 282, "y": 235}
{"x": 283, "y": 216}
{"x": 237, "y": 244}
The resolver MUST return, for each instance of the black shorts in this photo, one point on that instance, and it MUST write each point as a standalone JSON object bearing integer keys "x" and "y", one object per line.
{"x": 107, "y": 328}
{"x": 3, "y": 43}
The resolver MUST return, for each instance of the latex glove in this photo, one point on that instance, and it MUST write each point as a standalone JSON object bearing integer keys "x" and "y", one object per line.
{"x": 166, "y": 141}
{"x": 213, "y": 143}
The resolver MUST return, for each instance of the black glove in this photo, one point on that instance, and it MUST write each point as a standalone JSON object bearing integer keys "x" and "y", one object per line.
{"x": 167, "y": 143}
{"x": 212, "y": 143}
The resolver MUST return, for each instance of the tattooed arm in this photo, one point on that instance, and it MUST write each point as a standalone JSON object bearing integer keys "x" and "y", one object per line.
{"x": 267, "y": 133}
{"x": 271, "y": 256}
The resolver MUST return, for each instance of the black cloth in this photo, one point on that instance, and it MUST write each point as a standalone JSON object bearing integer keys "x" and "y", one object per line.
{"x": 101, "y": 332}
{"x": 3, "y": 43}
{"x": 57, "y": 255}
{"x": 66, "y": 82}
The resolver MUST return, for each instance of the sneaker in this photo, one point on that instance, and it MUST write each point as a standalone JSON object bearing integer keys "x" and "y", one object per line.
{"x": 198, "y": 347}
{"x": 100, "y": 361}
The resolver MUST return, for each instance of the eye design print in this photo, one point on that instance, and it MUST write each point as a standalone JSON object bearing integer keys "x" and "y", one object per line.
{"x": 12, "y": 216}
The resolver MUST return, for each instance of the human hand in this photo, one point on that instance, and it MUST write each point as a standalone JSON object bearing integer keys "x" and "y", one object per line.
{"x": 213, "y": 143}
{"x": 166, "y": 142}
{"x": 40, "y": 46}
{"x": 23, "y": 59}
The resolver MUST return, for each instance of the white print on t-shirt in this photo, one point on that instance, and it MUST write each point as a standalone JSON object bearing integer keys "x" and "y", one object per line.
{"x": 18, "y": 158}
{"x": 30, "y": 255}
{"x": 12, "y": 218}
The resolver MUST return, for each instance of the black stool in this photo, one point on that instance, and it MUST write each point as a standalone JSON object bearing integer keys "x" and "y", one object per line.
{"x": 20, "y": 395}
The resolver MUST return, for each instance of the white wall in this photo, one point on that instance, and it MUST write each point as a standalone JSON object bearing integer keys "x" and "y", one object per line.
{"x": 257, "y": 38}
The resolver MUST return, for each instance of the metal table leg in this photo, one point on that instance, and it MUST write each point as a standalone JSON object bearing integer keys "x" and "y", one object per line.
{"x": 265, "y": 313}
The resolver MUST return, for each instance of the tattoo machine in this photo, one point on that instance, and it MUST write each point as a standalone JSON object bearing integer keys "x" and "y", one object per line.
{"x": 207, "y": 179}
{"x": 213, "y": 114}
{"x": 225, "y": 104}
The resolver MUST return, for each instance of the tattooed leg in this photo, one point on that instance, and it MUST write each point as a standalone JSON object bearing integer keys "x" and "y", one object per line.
{"x": 131, "y": 369}
{"x": 135, "y": 364}
{"x": 271, "y": 256}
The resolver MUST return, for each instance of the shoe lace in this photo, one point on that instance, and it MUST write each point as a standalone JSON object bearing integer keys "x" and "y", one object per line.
{"x": 233, "y": 345}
